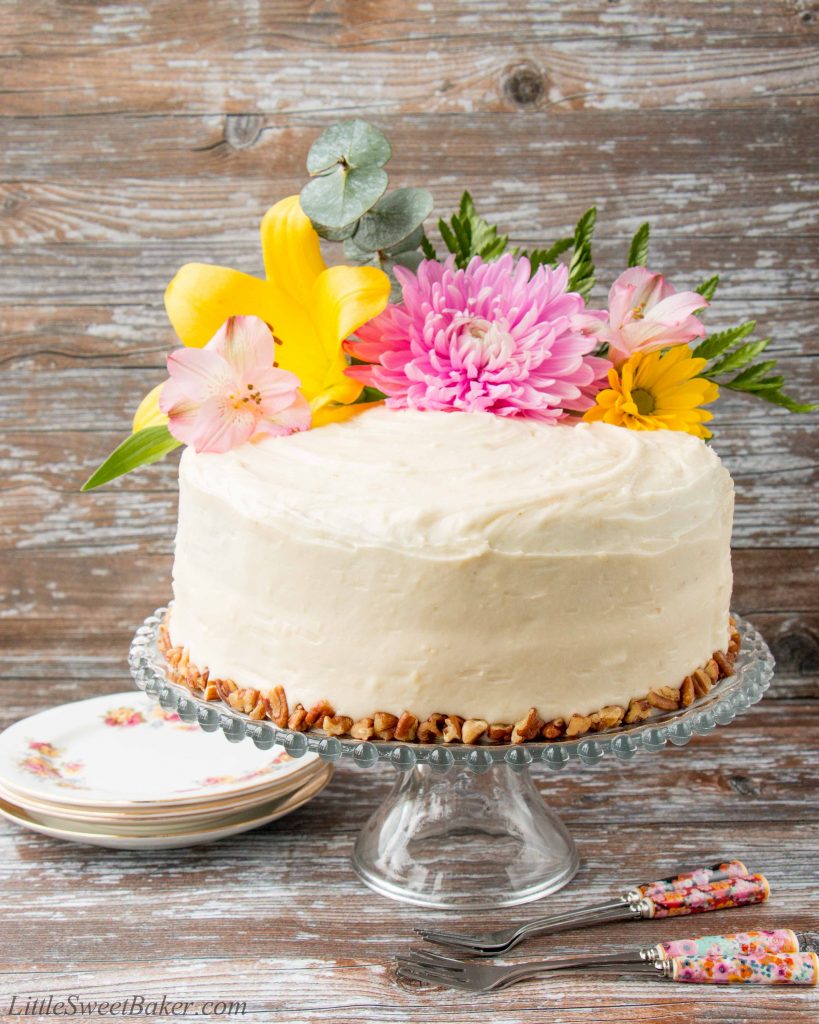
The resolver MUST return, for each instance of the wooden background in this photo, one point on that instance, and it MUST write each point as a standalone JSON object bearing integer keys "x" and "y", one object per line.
{"x": 137, "y": 136}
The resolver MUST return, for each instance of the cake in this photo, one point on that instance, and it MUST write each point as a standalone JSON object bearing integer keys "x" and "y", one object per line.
{"x": 440, "y": 496}
{"x": 464, "y": 567}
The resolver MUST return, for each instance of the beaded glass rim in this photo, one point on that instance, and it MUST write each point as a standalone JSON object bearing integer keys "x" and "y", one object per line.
{"x": 753, "y": 672}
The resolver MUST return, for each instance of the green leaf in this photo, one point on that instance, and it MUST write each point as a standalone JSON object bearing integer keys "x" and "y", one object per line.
{"x": 581, "y": 265}
{"x": 770, "y": 393}
{"x": 468, "y": 234}
{"x": 428, "y": 249}
{"x": 351, "y": 143}
{"x": 342, "y": 196}
{"x": 585, "y": 227}
{"x": 754, "y": 374}
{"x": 717, "y": 343}
{"x": 393, "y": 218}
{"x": 370, "y": 394}
{"x": 548, "y": 257}
{"x": 638, "y": 250}
{"x": 740, "y": 357}
{"x": 410, "y": 259}
{"x": 412, "y": 241}
{"x": 335, "y": 234}
{"x": 707, "y": 288}
{"x": 140, "y": 449}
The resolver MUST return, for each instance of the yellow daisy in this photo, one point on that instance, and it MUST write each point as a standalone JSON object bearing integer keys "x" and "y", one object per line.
{"x": 657, "y": 391}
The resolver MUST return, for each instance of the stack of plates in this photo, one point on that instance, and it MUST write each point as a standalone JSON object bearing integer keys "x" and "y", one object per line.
{"x": 119, "y": 771}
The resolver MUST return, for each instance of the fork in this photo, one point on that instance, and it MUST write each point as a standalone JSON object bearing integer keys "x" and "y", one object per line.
{"x": 712, "y": 888}
{"x": 761, "y": 957}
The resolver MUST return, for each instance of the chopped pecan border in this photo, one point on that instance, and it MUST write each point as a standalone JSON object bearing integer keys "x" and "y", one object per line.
{"x": 439, "y": 727}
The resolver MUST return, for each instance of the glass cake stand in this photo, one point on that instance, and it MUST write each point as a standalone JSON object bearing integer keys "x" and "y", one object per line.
{"x": 465, "y": 827}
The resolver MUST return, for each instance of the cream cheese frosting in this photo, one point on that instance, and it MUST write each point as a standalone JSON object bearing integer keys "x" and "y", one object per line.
{"x": 455, "y": 562}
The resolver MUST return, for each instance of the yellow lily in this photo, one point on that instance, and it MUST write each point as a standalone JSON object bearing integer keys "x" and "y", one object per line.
{"x": 310, "y": 307}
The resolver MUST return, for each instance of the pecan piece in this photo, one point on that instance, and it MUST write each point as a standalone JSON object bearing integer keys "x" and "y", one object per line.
{"x": 318, "y": 712}
{"x": 500, "y": 733}
{"x": 452, "y": 729}
{"x": 226, "y": 687}
{"x": 702, "y": 682}
{"x": 384, "y": 725}
{"x": 665, "y": 698}
{"x": 687, "y": 692}
{"x": 362, "y": 729}
{"x": 250, "y": 698}
{"x": 338, "y": 725}
{"x": 638, "y": 711}
{"x": 278, "y": 712}
{"x": 609, "y": 717}
{"x": 298, "y": 719}
{"x": 430, "y": 730}
{"x": 528, "y": 727}
{"x": 712, "y": 670}
{"x": 473, "y": 729}
{"x": 578, "y": 726}
{"x": 260, "y": 710}
{"x": 553, "y": 729}
{"x": 725, "y": 666}
{"x": 406, "y": 728}
{"x": 211, "y": 692}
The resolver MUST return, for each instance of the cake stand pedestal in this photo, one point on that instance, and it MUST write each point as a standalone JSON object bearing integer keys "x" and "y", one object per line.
{"x": 464, "y": 827}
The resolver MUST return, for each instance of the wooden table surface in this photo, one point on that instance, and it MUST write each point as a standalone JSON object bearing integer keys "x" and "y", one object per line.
{"x": 138, "y": 136}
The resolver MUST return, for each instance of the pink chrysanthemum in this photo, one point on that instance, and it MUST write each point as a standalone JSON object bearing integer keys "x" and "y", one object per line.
{"x": 484, "y": 339}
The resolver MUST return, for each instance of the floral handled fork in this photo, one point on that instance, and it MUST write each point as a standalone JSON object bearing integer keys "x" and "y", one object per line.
{"x": 709, "y": 888}
{"x": 761, "y": 957}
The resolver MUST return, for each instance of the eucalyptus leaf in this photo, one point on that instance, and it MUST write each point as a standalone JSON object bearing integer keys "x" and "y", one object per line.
{"x": 140, "y": 449}
{"x": 412, "y": 241}
{"x": 335, "y": 234}
{"x": 342, "y": 196}
{"x": 351, "y": 143}
{"x": 354, "y": 252}
{"x": 411, "y": 259}
{"x": 393, "y": 218}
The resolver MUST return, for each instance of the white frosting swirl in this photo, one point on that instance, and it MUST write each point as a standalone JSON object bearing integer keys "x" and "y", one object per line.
{"x": 456, "y": 562}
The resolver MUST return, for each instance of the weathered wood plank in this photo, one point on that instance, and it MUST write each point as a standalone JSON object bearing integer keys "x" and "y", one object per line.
{"x": 310, "y": 961}
{"x": 137, "y": 137}
{"x": 35, "y": 213}
{"x": 262, "y": 155}
{"x": 93, "y": 274}
{"x": 395, "y": 58}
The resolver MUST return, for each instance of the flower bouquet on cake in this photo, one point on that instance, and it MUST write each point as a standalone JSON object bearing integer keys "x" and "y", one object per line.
{"x": 439, "y": 493}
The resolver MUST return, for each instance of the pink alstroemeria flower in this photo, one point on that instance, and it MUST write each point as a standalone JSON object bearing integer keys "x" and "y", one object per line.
{"x": 645, "y": 313}
{"x": 229, "y": 392}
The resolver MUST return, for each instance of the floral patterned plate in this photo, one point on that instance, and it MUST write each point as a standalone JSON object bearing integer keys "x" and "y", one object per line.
{"x": 171, "y": 838}
{"x": 123, "y": 751}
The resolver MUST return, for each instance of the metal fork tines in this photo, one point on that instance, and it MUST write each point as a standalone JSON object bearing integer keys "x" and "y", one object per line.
{"x": 478, "y": 976}
{"x": 501, "y": 941}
